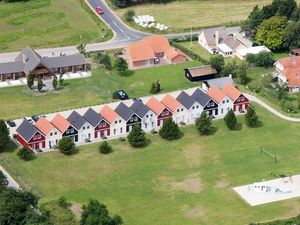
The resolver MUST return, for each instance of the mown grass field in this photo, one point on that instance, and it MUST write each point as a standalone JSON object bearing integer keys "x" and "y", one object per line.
{"x": 188, "y": 181}
{"x": 48, "y": 23}
{"x": 182, "y": 15}
{"x": 16, "y": 102}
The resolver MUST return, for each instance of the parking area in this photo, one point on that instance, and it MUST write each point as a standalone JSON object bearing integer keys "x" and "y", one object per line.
{"x": 270, "y": 191}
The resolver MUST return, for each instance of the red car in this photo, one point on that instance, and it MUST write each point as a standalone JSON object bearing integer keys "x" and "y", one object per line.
{"x": 99, "y": 10}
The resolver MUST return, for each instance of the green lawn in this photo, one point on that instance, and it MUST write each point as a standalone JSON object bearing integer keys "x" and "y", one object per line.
{"x": 197, "y": 14}
{"x": 188, "y": 182}
{"x": 17, "y": 102}
{"x": 48, "y": 23}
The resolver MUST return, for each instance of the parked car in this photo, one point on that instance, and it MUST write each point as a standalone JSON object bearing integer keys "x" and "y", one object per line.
{"x": 28, "y": 119}
{"x": 156, "y": 60}
{"x": 121, "y": 94}
{"x": 99, "y": 10}
{"x": 11, "y": 123}
{"x": 35, "y": 118}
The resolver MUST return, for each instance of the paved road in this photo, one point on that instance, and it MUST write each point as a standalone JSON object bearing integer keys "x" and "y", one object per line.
{"x": 270, "y": 109}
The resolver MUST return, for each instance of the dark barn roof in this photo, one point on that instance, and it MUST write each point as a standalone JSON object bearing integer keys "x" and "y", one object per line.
{"x": 201, "y": 97}
{"x": 139, "y": 108}
{"x": 201, "y": 71}
{"x": 92, "y": 117}
{"x": 26, "y": 130}
{"x": 76, "y": 120}
{"x": 124, "y": 111}
{"x": 186, "y": 100}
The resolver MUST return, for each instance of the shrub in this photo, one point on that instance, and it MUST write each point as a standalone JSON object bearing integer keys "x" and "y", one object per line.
{"x": 129, "y": 14}
{"x": 203, "y": 124}
{"x": 121, "y": 65}
{"x": 255, "y": 86}
{"x": 170, "y": 130}
{"x": 217, "y": 62}
{"x": 66, "y": 146}
{"x": 4, "y": 135}
{"x": 25, "y": 154}
{"x": 251, "y": 117}
{"x": 62, "y": 202}
{"x": 136, "y": 137}
{"x": 105, "y": 148}
{"x": 230, "y": 120}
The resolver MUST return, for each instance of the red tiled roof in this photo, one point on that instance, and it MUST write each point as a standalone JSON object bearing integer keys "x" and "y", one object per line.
{"x": 231, "y": 91}
{"x": 170, "y": 102}
{"x": 155, "y": 106}
{"x": 293, "y": 76}
{"x": 44, "y": 125}
{"x": 60, "y": 123}
{"x": 290, "y": 62}
{"x": 216, "y": 94}
{"x": 108, "y": 114}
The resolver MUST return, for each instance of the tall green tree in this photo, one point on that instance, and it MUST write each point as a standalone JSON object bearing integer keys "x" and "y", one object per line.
{"x": 40, "y": 84}
{"x": 241, "y": 73}
{"x": 203, "y": 124}
{"x": 25, "y": 154}
{"x": 30, "y": 80}
{"x": 105, "y": 148}
{"x": 250, "y": 25}
{"x": 121, "y": 65}
{"x": 292, "y": 38}
{"x": 170, "y": 130}
{"x": 81, "y": 48}
{"x": 136, "y": 137}
{"x": 217, "y": 62}
{"x": 66, "y": 146}
{"x": 4, "y": 135}
{"x": 96, "y": 213}
{"x": 230, "y": 120}
{"x": 251, "y": 117}
{"x": 54, "y": 82}
{"x": 61, "y": 79}
{"x": 271, "y": 32}
{"x": 264, "y": 59}
{"x": 153, "y": 88}
{"x": 3, "y": 181}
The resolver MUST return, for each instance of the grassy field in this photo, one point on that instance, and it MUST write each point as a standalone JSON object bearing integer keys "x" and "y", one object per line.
{"x": 197, "y": 14}
{"x": 189, "y": 182}
{"x": 18, "y": 101}
{"x": 48, "y": 23}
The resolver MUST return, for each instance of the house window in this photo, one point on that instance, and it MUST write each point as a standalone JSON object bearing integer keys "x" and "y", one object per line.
{"x": 147, "y": 116}
{"x": 151, "y": 115}
{"x": 120, "y": 121}
{"x": 221, "y": 111}
{"x": 115, "y": 131}
{"x": 227, "y": 100}
{"x": 193, "y": 107}
{"x": 88, "y": 127}
{"x": 51, "y": 134}
{"x": 131, "y": 119}
{"x": 197, "y": 106}
{"x": 208, "y": 104}
{"x": 83, "y": 128}
{"x": 181, "y": 109}
{"x": 121, "y": 130}
{"x": 68, "y": 131}
{"x": 55, "y": 133}
{"x": 223, "y": 102}
{"x": 178, "y": 110}
{"x": 135, "y": 119}
{"x": 242, "y": 98}
{"x": 212, "y": 104}
{"x": 116, "y": 122}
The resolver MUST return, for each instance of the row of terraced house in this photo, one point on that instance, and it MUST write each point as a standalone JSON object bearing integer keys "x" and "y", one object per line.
{"x": 149, "y": 112}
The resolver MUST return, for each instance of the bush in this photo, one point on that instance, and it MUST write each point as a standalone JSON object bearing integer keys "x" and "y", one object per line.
{"x": 62, "y": 202}
{"x": 25, "y": 154}
{"x": 104, "y": 59}
{"x": 287, "y": 106}
{"x": 251, "y": 117}
{"x": 66, "y": 146}
{"x": 170, "y": 130}
{"x": 105, "y": 148}
{"x": 129, "y": 14}
{"x": 136, "y": 137}
{"x": 203, "y": 124}
{"x": 217, "y": 62}
{"x": 230, "y": 120}
{"x": 255, "y": 86}
{"x": 121, "y": 65}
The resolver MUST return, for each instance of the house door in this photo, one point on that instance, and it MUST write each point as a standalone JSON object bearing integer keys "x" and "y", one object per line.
{"x": 50, "y": 144}
{"x": 76, "y": 138}
{"x": 101, "y": 133}
{"x": 158, "y": 123}
{"x": 33, "y": 147}
{"x": 240, "y": 108}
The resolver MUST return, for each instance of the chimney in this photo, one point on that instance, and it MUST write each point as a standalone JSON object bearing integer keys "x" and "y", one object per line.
{"x": 294, "y": 60}
{"x": 217, "y": 37}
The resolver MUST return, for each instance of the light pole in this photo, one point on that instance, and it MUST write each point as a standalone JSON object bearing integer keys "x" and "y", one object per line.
{"x": 191, "y": 37}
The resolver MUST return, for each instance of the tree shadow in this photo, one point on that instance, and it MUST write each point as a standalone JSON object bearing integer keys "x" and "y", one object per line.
{"x": 11, "y": 147}
{"x": 238, "y": 127}
{"x": 127, "y": 73}
{"x": 213, "y": 130}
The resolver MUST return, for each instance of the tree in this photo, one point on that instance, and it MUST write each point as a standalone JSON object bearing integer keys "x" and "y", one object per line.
{"x": 203, "y": 124}
{"x": 217, "y": 62}
{"x": 158, "y": 89}
{"x": 61, "y": 79}
{"x": 230, "y": 120}
{"x": 3, "y": 181}
{"x": 105, "y": 148}
{"x": 62, "y": 202}
{"x": 284, "y": 7}
{"x": 54, "y": 82}
{"x": 264, "y": 59}
{"x": 121, "y": 65}
{"x": 40, "y": 84}
{"x": 30, "y": 80}
{"x": 251, "y": 58}
{"x": 271, "y": 32}
{"x": 153, "y": 88}
{"x": 241, "y": 73}
{"x": 251, "y": 117}
{"x": 229, "y": 69}
{"x": 96, "y": 213}
{"x": 66, "y": 146}
{"x": 25, "y": 154}
{"x": 104, "y": 59}
{"x": 4, "y": 135}
{"x": 170, "y": 130}
{"x": 136, "y": 137}
{"x": 251, "y": 24}
{"x": 129, "y": 14}
{"x": 121, "y": 3}
{"x": 292, "y": 39}
{"x": 81, "y": 48}
{"x": 298, "y": 101}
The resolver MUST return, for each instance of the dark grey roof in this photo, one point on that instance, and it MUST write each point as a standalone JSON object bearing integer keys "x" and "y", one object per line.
{"x": 8, "y": 67}
{"x": 76, "y": 120}
{"x": 201, "y": 97}
{"x": 139, "y": 108}
{"x": 92, "y": 117}
{"x": 124, "y": 111}
{"x": 67, "y": 60}
{"x": 210, "y": 35}
{"x": 231, "y": 42}
{"x": 186, "y": 100}
{"x": 220, "y": 82}
{"x": 26, "y": 130}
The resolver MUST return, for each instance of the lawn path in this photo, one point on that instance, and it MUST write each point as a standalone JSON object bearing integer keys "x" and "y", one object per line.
{"x": 270, "y": 109}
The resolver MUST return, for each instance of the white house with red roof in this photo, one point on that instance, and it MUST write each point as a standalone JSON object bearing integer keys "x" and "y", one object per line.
{"x": 288, "y": 72}
{"x": 52, "y": 134}
{"x": 117, "y": 123}
{"x": 179, "y": 112}
{"x": 161, "y": 111}
{"x": 224, "y": 102}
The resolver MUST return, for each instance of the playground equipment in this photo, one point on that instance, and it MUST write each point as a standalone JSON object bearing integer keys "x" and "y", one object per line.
{"x": 264, "y": 151}
{"x": 262, "y": 187}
